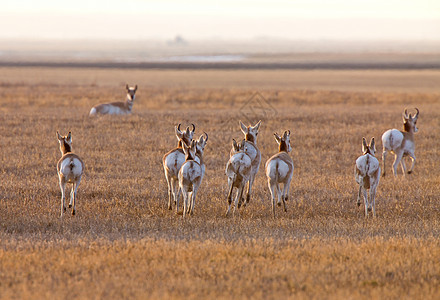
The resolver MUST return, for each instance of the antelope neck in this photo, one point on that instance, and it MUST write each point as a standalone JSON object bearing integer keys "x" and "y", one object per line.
{"x": 65, "y": 147}
{"x": 283, "y": 146}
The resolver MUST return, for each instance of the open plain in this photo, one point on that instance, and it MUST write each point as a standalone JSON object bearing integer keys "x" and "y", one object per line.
{"x": 123, "y": 242}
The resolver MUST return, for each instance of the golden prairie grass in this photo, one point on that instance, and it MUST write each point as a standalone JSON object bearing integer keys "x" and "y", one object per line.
{"x": 124, "y": 242}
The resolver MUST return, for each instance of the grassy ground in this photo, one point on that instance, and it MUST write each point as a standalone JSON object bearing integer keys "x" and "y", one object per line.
{"x": 124, "y": 242}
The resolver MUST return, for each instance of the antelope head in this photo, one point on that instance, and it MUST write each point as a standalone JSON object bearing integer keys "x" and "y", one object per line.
{"x": 250, "y": 132}
{"x": 186, "y": 136}
{"x": 409, "y": 122}
{"x": 201, "y": 143}
{"x": 65, "y": 143}
{"x": 131, "y": 91}
{"x": 368, "y": 149}
{"x": 284, "y": 141}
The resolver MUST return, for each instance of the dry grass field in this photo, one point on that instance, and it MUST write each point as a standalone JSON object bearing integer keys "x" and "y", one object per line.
{"x": 125, "y": 243}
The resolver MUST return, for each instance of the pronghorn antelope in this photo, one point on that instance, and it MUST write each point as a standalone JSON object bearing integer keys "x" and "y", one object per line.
{"x": 70, "y": 168}
{"x": 190, "y": 177}
{"x": 238, "y": 170}
{"x": 367, "y": 175}
{"x": 173, "y": 160}
{"x": 251, "y": 133}
{"x": 200, "y": 145}
{"x": 116, "y": 108}
{"x": 279, "y": 169}
{"x": 401, "y": 143}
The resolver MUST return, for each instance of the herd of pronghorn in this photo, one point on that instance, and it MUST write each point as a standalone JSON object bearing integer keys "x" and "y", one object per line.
{"x": 184, "y": 167}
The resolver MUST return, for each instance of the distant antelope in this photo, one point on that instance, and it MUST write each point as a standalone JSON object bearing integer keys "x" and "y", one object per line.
{"x": 200, "y": 147}
{"x": 279, "y": 169}
{"x": 251, "y": 133}
{"x": 401, "y": 143}
{"x": 367, "y": 175}
{"x": 173, "y": 160}
{"x": 238, "y": 170}
{"x": 70, "y": 168}
{"x": 190, "y": 177}
{"x": 116, "y": 108}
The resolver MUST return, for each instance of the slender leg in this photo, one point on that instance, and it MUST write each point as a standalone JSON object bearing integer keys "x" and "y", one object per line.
{"x": 229, "y": 198}
{"x": 75, "y": 189}
{"x": 287, "y": 189}
{"x": 365, "y": 201}
{"x": 283, "y": 198}
{"x": 238, "y": 197}
{"x": 185, "y": 202}
{"x": 170, "y": 190}
{"x": 384, "y": 155}
{"x": 286, "y": 193}
{"x": 373, "y": 199}
{"x": 248, "y": 196}
{"x": 359, "y": 195}
{"x": 397, "y": 159}
{"x": 403, "y": 165}
{"x": 62, "y": 187}
{"x": 176, "y": 193}
{"x": 413, "y": 162}
{"x": 279, "y": 194}
{"x": 272, "y": 188}
{"x": 71, "y": 196}
{"x": 190, "y": 202}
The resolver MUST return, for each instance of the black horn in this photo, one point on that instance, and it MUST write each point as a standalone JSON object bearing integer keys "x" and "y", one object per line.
{"x": 178, "y": 127}
{"x": 405, "y": 113}
{"x": 417, "y": 113}
{"x": 194, "y": 127}
{"x": 206, "y": 136}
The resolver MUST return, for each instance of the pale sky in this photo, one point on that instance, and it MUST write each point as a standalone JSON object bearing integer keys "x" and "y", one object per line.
{"x": 143, "y": 19}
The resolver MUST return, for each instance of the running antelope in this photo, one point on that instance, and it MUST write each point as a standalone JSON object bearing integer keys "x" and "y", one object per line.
{"x": 190, "y": 178}
{"x": 70, "y": 168}
{"x": 367, "y": 175}
{"x": 251, "y": 133}
{"x": 401, "y": 143}
{"x": 238, "y": 170}
{"x": 279, "y": 169}
{"x": 173, "y": 160}
{"x": 116, "y": 108}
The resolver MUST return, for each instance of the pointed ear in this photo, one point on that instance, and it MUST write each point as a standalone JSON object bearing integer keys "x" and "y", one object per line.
{"x": 417, "y": 114}
{"x": 59, "y": 136}
{"x": 69, "y": 136}
{"x": 201, "y": 139}
{"x": 277, "y": 138}
{"x": 234, "y": 144}
{"x": 243, "y": 128}
{"x": 373, "y": 144}
{"x": 243, "y": 145}
{"x": 135, "y": 87}
{"x": 126, "y": 87}
{"x": 285, "y": 135}
{"x": 257, "y": 126}
{"x": 364, "y": 145}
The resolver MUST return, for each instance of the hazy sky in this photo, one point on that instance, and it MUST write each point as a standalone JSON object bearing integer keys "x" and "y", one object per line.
{"x": 305, "y": 19}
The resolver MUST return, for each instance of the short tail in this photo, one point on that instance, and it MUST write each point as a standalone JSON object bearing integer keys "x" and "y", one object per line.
{"x": 92, "y": 112}
{"x": 72, "y": 165}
